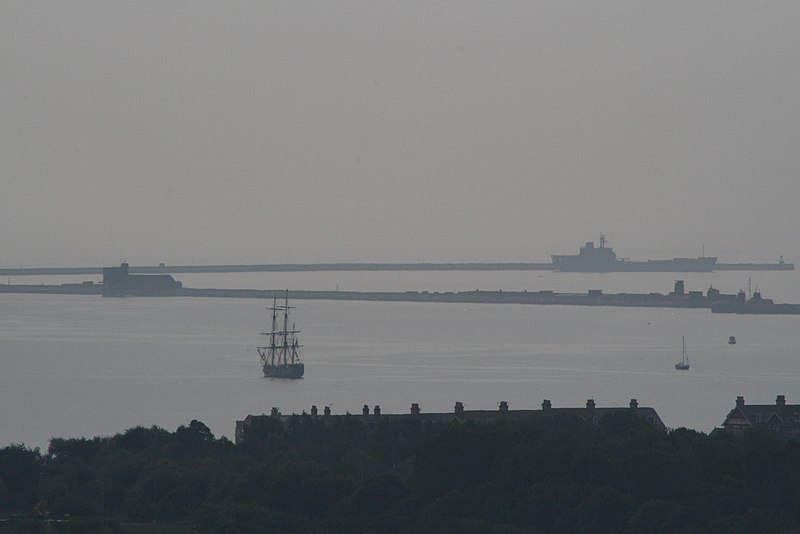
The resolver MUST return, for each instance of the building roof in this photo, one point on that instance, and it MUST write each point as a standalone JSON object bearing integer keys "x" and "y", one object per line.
{"x": 781, "y": 417}
{"x": 590, "y": 413}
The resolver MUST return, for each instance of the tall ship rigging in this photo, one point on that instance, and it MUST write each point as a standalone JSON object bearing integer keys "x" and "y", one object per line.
{"x": 280, "y": 355}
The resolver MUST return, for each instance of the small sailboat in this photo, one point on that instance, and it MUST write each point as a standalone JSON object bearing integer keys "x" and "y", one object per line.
{"x": 732, "y": 340}
{"x": 683, "y": 365}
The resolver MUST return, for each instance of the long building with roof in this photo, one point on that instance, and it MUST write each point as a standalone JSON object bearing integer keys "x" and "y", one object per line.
{"x": 590, "y": 413}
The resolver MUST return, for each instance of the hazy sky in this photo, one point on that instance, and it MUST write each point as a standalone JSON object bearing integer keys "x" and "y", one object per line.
{"x": 272, "y": 132}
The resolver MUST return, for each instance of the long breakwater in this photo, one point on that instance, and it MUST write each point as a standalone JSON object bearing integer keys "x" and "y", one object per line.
{"x": 717, "y": 303}
{"x": 328, "y": 267}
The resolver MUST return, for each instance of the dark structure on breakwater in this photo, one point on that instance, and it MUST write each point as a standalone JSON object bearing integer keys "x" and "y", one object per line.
{"x": 590, "y": 414}
{"x": 118, "y": 282}
{"x": 754, "y": 305}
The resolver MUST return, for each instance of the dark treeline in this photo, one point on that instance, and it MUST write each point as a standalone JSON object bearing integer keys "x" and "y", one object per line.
{"x": 407, "y": 475}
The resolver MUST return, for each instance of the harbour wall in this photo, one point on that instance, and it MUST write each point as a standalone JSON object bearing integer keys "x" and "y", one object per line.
{"x": 717, "y": 303}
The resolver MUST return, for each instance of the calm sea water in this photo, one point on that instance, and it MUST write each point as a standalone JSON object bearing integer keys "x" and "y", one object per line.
{"x": 75, "y": 366}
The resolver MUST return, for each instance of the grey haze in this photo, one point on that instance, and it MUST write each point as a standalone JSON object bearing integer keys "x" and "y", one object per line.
{"x": 272, "y": 132}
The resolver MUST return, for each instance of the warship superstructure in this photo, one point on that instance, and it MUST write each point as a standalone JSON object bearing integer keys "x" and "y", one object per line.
{"x": 603, "y": 259}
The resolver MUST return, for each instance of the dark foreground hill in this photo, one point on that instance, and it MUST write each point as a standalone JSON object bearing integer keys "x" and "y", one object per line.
{"x": 558, "y": 475}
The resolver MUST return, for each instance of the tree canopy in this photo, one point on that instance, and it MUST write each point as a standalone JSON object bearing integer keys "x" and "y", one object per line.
{"x": 401, "y": 474}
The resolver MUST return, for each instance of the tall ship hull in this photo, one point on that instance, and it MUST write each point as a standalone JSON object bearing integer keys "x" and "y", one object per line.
{"x": 292, "y": 370}
{"x": 602, "y": 259}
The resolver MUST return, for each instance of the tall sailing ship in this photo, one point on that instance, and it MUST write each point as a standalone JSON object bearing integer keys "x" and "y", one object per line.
{"x": 280, "y": 356}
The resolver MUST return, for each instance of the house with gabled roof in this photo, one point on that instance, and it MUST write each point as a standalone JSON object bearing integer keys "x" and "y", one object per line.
{"x": 779, "y": 417}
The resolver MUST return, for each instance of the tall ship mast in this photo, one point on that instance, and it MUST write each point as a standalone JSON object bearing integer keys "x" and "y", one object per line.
{"x": 280, "y": 354}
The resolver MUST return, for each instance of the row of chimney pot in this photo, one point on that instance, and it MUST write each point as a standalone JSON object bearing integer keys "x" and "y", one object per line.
{"x": 503, "y": 407}
{"x": 780, "y": 400}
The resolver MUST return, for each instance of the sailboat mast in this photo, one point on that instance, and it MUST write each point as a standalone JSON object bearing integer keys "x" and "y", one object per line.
{"x": 683, "y": 339}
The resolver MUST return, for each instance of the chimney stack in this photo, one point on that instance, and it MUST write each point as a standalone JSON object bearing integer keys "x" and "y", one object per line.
{"x": 274, "y": 412}
{"x": 546, "y": 405}
{"x": 590, "y": 404}
{"x": 634, "y": 404}
{"x": 739, "y": 401}
{"x": 503, "y": 407}
{"x": 327, "y": 411}
{"x": 415, "y": 409}
{"x": 377, "y": 410}
{"x": 459, "y": 409}
{"x": 781, "y": 401}
{"x": 314, "y": 410}
{"x": 365, "y": 410}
